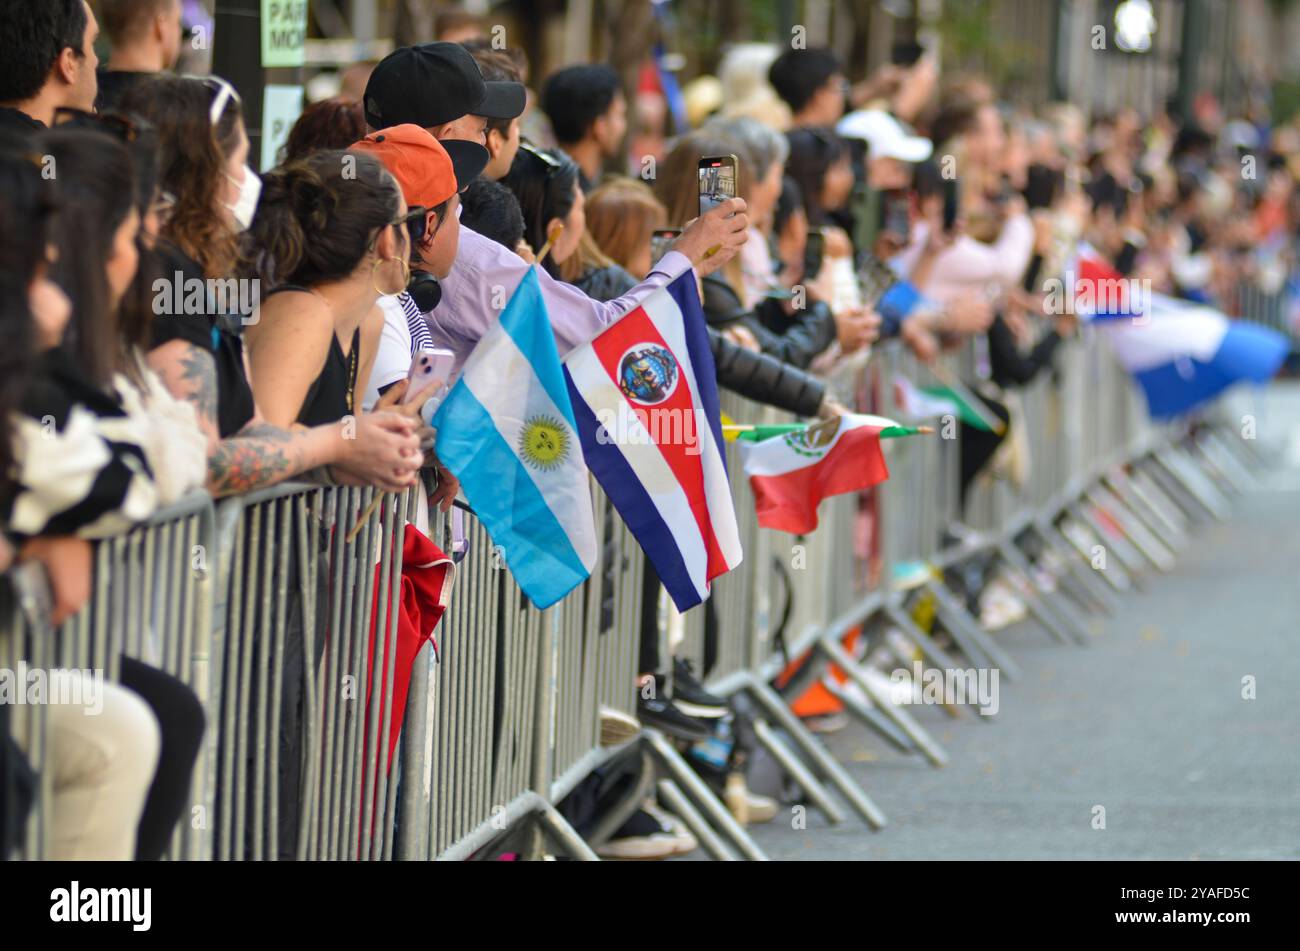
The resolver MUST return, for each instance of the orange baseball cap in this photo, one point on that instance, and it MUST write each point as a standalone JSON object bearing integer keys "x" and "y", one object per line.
{"x": 428, "y": 171}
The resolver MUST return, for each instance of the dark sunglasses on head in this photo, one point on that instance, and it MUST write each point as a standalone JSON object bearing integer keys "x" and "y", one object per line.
{"x": 223, "y": 94}
{"x": 553, "y": 164}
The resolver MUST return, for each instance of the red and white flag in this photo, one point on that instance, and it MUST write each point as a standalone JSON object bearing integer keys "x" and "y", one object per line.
{"x": 791, "y": 473}
{"x": 645, "y": 403}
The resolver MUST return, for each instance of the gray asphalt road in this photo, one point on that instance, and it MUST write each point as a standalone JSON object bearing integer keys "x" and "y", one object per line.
{"x": 1148, "y": 722}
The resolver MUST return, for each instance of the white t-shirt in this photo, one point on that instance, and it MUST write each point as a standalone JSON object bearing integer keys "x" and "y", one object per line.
{"x": 393, "y": 357}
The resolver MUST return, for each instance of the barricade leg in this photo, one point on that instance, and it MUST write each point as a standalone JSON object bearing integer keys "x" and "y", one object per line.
{"x": 921, "y": 739}
{"x": 1176, "y": 464}
{"x": 680, "y": 806}
{"x": 1084, "y": 540}
{"x": 966, "y": 631}
{"x": 562, "y": 834}
{"x": 1088, "y": 590}
{"x": 815, "y": 752}
{"x": 1112, "y": 537}
{"x": 1152, "y": 506}
{"x": 1244, "y": 450}
{"x": 1057, "y": 625}
{"x": 718, "y": 814}
{"x": 1189, "y": 510}
{"x": 869, "y": 715}
{"x": 1210, "y": 455}
{"x": 1141, "y": 537}
{"x": 935, "y": 654}
{"x": 801, "y": 774}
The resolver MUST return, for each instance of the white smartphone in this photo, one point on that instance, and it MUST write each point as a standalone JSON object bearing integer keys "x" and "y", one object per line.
{"x": 428, "y": 367}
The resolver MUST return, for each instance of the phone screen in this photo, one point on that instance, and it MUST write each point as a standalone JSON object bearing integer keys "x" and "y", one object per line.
{"x": 717, "y": 180}
{"x": 661, "y": 241}
{"x": 896, "y": 215}
{"x": 951, "y": 203}
{"x": 814, "y": 252}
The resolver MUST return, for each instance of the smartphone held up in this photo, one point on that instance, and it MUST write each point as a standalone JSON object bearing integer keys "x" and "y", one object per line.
{"x": 717, "y": 180}
{"x": 428, "y": 379}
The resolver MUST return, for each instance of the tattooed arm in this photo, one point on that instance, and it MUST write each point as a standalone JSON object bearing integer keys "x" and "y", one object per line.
{"x": 190, "y": 374}
{"x": 263, "y": 454}
{"x": 260, "y": 454}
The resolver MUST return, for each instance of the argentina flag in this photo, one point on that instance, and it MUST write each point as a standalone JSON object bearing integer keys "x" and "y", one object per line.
{"x": 506, "y": 430}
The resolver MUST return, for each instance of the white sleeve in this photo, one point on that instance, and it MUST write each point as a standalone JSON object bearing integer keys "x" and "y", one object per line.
{"x": 168, "y": 430}
{"x": 393, "y": 356}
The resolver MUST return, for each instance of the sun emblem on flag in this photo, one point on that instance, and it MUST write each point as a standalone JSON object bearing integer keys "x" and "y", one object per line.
{"x": 544, "y": 442}
{"x": 648, "y": 373}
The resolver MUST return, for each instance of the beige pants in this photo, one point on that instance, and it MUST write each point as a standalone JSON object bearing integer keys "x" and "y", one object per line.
{"x": 100, "y": 767}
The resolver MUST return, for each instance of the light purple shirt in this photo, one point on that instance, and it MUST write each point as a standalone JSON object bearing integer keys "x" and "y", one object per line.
{"x": 484, "y": 277}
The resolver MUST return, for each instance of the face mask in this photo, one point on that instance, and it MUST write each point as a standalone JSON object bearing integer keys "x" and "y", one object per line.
{"x": 250, "y": 190}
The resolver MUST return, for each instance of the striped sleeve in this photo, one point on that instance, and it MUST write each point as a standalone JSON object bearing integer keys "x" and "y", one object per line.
{"x": 85, "y": 477}
{"x": 421, "y": 339}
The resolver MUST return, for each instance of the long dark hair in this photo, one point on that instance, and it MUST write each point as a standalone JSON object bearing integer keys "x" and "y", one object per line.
{"x": 192, "y": 156}
{"x": 94, "y": 175}
{"x": 812, "y": 153}
{"x": 26, "y": 207}
{"x": 141, "y": 139}
{"x": 319, "y": 216}
{"x": 543, "y": 181}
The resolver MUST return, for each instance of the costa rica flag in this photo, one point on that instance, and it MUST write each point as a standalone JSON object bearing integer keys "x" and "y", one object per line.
{"x": 645, "y": 403}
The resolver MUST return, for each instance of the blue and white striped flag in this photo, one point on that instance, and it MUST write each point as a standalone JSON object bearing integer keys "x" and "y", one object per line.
{"x": 506, "y": 431}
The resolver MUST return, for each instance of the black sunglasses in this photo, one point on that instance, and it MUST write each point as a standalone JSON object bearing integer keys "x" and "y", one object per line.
{"x": 553, "y": 164}
{"x": 416, "y": 220}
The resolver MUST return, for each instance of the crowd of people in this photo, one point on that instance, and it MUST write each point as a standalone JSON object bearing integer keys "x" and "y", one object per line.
{"x": 906, "y": 205}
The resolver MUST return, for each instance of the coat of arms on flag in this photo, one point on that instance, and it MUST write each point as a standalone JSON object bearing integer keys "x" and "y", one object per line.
{"x": 645, "y": 398}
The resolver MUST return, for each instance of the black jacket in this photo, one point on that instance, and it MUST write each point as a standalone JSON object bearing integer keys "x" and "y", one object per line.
{"x": 796, "y": 339}
{"x": 18, "y": 125}
{"x": 765, "y": 379}
{"x": 1009, "y": 366}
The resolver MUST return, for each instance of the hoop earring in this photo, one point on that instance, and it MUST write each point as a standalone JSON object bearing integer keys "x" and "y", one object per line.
{"x": 406, "y": 277}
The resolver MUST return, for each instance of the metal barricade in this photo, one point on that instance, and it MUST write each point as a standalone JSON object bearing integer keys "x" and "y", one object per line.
{"x": 598, "y": 629}
{"x": 282, "y": 610}
{"x": 308, "y": 622}
{"x": 152, "y": 601}
{"x": 472, "y": 726}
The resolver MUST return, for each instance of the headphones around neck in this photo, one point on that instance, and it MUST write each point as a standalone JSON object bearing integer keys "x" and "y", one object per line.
{"x": 425, "y": 290}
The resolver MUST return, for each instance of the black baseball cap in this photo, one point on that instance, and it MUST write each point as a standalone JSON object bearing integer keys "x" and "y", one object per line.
{"x": 432, "y": 84}
{"x": 468, "y": 159}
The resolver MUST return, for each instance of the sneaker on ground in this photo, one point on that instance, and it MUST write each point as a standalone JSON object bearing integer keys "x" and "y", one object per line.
{"x": 648, "y": 834}
{"x": 662, "y": 714}
{"x": 760, "y": 808}
{"x": 827, "y": 722}
{"x": 747, "y": 807}
{"x": 691, "y": 697}
{"x": 1000, "y": 606}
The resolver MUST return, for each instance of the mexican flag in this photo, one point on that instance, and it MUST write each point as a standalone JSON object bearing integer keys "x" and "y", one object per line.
{"x": 931, "y": 401}
{"x": 790, "y": 472}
